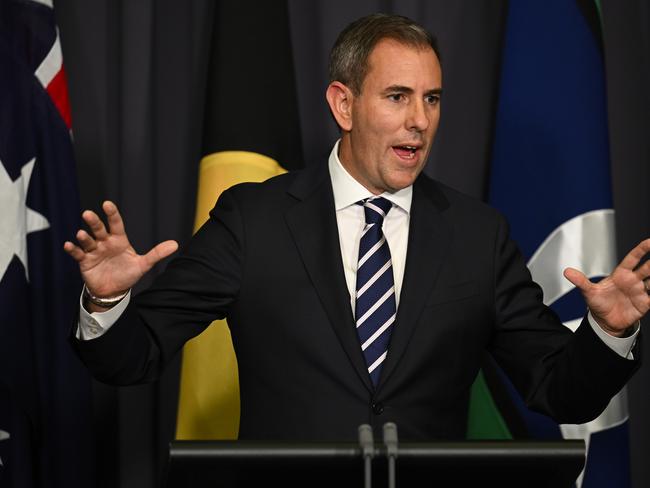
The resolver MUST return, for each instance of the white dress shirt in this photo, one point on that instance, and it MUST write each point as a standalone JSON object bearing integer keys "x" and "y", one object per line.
{"x": 350, "y": 219}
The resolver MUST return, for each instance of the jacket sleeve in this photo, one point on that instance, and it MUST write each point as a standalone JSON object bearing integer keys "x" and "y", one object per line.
{"x": 569, "y": 376}
{"x": 199, "y": 285}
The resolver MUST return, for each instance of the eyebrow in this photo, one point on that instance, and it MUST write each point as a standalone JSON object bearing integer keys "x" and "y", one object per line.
{"x": 406, "y": 89}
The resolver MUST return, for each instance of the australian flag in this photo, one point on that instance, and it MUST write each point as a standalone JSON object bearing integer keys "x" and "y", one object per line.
{"x": 551, "y": 178}
{"x": 45, "y": 407}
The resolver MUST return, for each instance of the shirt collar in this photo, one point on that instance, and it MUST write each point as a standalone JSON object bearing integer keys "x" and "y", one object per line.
{"x": 348, "y": 191}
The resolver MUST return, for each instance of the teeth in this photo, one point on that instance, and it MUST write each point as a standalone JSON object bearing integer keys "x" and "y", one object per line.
{"x": 412, "y": 150}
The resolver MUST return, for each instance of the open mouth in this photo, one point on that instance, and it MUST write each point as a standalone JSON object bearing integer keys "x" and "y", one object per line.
{"x": 406, "y": 152}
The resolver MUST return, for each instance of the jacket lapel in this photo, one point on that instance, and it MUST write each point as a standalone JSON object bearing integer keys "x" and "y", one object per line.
{"x": 312, "y": 223}
{"x": 429, "y": 240}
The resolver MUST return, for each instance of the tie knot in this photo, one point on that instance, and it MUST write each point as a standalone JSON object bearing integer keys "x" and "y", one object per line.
{"x": 376, "y": 209}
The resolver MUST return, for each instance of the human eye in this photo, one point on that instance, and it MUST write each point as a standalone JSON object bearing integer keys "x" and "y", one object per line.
{"x": 432, "y": 99}
{"x": 396, "y": 97}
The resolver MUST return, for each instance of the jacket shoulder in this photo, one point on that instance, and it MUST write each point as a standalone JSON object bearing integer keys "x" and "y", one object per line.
{"x": 456, "y": 203}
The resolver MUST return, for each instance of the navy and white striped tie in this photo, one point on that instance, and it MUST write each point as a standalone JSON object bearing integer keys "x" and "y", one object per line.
{"x": 375, "y": 295}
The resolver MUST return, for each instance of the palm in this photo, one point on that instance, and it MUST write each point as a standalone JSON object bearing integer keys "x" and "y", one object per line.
{"x": 114, "y": 267}
{"x": 108, "y": 263}
{"x": 621, "y": 299}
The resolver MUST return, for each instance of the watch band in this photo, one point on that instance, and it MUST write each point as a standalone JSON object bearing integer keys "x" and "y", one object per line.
{"x": 107, "y": 302}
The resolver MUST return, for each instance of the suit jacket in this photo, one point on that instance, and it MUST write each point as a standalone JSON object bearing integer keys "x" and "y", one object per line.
{"x": 269, "y": 260}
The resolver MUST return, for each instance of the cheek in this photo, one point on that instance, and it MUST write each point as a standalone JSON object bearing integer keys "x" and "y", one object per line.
{"x": 375, "y": 140}
{"x": 434, "y": 121}
{"x": 382, "y": 121}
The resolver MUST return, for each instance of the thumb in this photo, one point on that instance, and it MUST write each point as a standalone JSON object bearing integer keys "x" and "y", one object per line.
{"x": 160, "y": 251}
{"x": 578, "y": 279}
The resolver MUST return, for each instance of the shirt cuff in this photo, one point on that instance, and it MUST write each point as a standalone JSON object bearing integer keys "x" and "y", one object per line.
{"x": 94, "y": 325}
{"x": 620, "y": 345}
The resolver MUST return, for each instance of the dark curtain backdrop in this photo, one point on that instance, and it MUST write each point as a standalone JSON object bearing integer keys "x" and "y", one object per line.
{"x": 137, "y": 78}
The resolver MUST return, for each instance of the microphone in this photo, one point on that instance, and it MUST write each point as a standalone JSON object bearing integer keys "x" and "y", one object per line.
{"x": 367, "y": 444}
{"x": 390, "y": 441}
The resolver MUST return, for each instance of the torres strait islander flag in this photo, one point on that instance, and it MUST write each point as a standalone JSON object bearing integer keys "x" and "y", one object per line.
{"x": 45, "y": 402}
{"x": 551, "y": 177}
{"x": 251, "y": 133}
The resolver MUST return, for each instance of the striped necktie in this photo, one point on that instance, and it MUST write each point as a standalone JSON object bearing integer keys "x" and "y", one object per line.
{"x": 375, "y": 294}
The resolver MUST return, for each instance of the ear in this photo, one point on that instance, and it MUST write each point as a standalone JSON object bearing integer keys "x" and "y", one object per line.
{"x": 340, "y": 98}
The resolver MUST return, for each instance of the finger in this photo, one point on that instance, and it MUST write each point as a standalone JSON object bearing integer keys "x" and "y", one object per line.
{"x": 87, "y": 243}
{"x": 578, "y": 279}
{"x": 634, "y": 256}
{"x": 643, "y": 271}
{"x": 75, "y": 251}
{"x": 161, "y": 251}
{"x": 115, "y": 223}
{"x": 95, "y": 224}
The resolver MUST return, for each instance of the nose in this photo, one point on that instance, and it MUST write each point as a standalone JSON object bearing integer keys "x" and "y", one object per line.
{"x": 418, "y": 118}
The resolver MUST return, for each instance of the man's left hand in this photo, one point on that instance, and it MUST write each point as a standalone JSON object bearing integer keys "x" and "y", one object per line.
{"x": 618, "y": 301}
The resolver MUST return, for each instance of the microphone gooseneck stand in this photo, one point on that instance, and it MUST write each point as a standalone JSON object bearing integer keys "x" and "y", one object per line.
{"x": 367, "y": 444}
{"x": 390, "y": 441}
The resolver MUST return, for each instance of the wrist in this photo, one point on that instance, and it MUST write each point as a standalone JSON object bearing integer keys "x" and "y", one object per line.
{"x": 101, "y": 304}
{"x": 614, "y": 332}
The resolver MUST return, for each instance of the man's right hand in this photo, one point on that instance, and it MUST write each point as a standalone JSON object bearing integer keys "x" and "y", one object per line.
{"x": 108, "y": 263}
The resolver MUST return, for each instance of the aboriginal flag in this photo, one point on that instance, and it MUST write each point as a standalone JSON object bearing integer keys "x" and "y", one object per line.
{"x": 251, "y": 133}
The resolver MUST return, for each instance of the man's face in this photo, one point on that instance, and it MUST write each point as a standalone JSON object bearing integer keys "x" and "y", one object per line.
{"x": 395, "y": 117}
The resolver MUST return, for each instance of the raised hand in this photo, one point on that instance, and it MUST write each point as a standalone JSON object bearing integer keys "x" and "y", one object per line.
{"x": 108, "y": 263}
{"x": 618, "y": 301}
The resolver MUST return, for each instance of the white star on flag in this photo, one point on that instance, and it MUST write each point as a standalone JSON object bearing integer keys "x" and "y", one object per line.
{"x": 16, "y": 220}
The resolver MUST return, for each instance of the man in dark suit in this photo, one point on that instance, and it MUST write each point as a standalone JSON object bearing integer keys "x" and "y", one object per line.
{"x": 360, "y": 291}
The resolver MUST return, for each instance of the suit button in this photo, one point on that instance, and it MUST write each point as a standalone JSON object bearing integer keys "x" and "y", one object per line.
{"x": 377, "y": 408}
